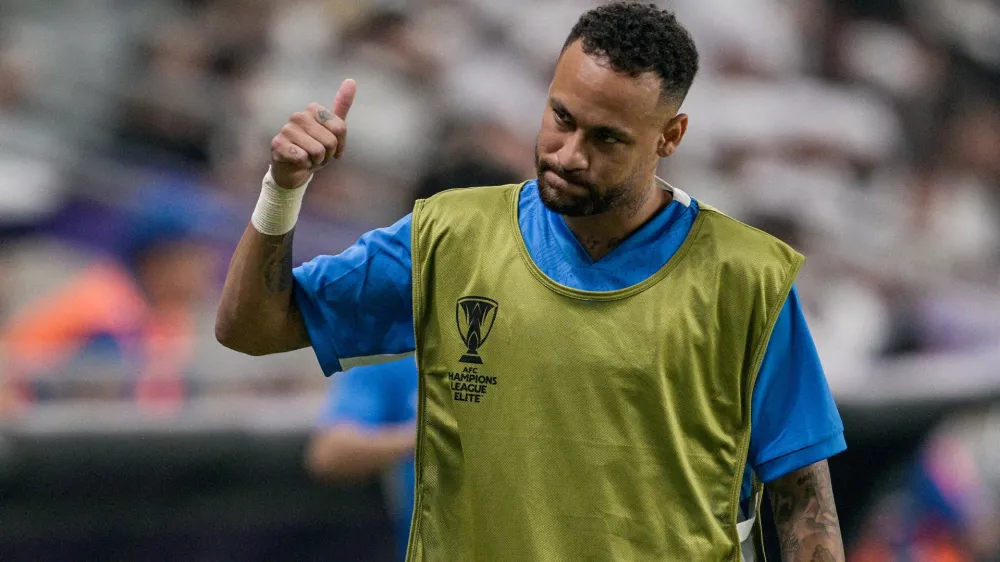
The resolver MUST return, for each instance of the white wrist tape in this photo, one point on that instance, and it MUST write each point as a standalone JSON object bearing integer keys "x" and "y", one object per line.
{"x": 277, "y": 208}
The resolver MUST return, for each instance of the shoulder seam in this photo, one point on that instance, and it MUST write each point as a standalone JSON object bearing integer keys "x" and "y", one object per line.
{"x": 739, "y": 223}
{"x": 472, "y": 189}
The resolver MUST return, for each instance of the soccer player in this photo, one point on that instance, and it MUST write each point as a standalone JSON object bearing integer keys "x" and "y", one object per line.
{"x": 608, "y": 367}
{"x": 367, "y": 427}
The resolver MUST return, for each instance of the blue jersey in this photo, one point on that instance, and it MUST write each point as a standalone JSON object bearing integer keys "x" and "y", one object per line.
{"x": 372, "y": 397}
{"x": 358, "y": 309}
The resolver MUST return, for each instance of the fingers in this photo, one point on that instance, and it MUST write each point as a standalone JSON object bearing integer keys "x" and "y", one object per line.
{"x": 330, "y": 133}
{"x": 313, "y": 137}
{"x": 308, "y": 141}
{"x": 327, "y": 120}
{"x": 285, "y": 151}
{"x": 345, "y": 98}
{"x": 333, "y": 124}
{"x": 341, "y": 144}
{"x": 313, "y": 147}
{"x": 330, "y": 130}
{"x": 294, "y": 145}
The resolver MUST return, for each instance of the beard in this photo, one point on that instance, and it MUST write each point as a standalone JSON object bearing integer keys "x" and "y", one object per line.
{"x": 593, "y": 200}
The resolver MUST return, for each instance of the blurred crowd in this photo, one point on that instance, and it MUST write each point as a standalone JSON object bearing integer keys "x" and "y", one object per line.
{"x": 133, "y": 136}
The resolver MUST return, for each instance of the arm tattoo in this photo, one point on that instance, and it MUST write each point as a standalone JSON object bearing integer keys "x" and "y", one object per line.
{"x": 823, "y": 555}
{"x": 278, "y": 263}
{"x": 806, "y": 515}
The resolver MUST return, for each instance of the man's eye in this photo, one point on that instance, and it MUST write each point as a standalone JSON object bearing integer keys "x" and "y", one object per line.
{"x": 561, "y": 117}
{"x": 607, "y": 139}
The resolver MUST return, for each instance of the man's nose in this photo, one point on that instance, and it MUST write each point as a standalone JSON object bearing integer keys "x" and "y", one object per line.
{"x": 572, "y": 156}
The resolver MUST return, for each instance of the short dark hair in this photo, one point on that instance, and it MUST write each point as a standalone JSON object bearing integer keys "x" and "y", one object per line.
{"x": 636, "y": 38}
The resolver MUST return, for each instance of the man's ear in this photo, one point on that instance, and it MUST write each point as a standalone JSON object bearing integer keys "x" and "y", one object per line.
{"x": 673, "y": 132}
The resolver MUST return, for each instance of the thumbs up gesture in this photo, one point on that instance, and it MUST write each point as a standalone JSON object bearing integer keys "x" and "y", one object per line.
{"x": 311, "y": 138}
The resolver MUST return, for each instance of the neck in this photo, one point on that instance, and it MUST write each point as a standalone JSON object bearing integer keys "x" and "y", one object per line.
{"x": 599, "y": 234}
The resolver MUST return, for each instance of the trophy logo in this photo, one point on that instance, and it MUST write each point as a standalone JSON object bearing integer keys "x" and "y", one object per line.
{"x": 474, "y": 316}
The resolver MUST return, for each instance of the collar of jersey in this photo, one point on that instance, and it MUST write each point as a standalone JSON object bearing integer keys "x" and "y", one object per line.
{"x": 557, "y": 258}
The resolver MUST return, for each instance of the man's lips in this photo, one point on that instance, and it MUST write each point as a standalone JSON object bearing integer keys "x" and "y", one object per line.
{"x": 557, "y": 181}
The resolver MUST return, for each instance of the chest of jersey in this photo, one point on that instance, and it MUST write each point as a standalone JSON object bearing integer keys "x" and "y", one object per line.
{"x": 558, "y": 424}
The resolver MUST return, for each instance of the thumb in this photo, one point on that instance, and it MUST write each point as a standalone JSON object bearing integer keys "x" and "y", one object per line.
{"x": 345, "y": 98}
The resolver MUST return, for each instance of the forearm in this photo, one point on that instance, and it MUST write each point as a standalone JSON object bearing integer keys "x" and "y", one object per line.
{"x": 257, "y": 313}
{"x": 806, "y": 516}
{"x": 351, "y": 452}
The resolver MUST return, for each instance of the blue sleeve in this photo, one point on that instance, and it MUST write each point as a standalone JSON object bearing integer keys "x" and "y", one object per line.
{"x": 358, "y": 305}
{"x": 795, "y": 421}
{"x": 356, "y": 397}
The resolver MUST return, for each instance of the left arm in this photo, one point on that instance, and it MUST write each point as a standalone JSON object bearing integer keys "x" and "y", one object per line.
{"x": 806, "y": 515}
{"x": 796, "y": 427}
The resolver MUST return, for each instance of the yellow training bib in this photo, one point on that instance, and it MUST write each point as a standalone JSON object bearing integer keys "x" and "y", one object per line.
{"x": 564, "y": 425}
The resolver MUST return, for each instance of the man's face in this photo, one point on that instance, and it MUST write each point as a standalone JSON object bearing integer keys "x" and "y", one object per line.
{"x": 601, "y": 130}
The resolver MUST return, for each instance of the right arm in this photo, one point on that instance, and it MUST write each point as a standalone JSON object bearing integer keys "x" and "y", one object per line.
{"x": 257, "y": 314}
{"x": 347, "y": 451}
{"x": 367, "y": 423}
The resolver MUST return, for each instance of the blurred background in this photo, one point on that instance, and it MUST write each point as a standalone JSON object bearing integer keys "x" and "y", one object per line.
{"x": 133, "y": 136}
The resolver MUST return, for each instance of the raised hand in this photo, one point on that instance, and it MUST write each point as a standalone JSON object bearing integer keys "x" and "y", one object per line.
{"x": 311, "y": 139}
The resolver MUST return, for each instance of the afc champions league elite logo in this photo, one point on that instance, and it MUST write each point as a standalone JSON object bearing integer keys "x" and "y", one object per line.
{"x": 475, "y": 316}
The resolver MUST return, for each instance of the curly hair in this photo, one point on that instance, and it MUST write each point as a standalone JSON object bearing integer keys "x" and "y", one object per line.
{"x": 635, "y": 38}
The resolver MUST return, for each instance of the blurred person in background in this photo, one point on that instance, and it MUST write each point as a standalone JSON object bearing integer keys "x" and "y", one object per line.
{"x": 368, "y": 424}
{"x": 612, "y": 114}
{"x": 944, "y": 506}
{"x": 368, "y": 427}
{"x": 130, "y": 317}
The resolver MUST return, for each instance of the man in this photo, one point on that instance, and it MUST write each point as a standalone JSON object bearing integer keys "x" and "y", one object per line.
{"x": 367, "y": 427}
{"x": 592, "y": 345}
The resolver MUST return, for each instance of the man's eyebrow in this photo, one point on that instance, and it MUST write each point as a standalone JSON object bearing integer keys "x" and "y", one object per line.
{"x": 558, "y": 106}
{"x": 608, "y": 130}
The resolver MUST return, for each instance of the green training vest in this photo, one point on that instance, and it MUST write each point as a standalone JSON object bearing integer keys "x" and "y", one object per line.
{"x": 565, "y": 425}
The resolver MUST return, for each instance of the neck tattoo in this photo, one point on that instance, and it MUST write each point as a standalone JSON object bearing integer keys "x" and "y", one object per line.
{"x": 600, "y": 245}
